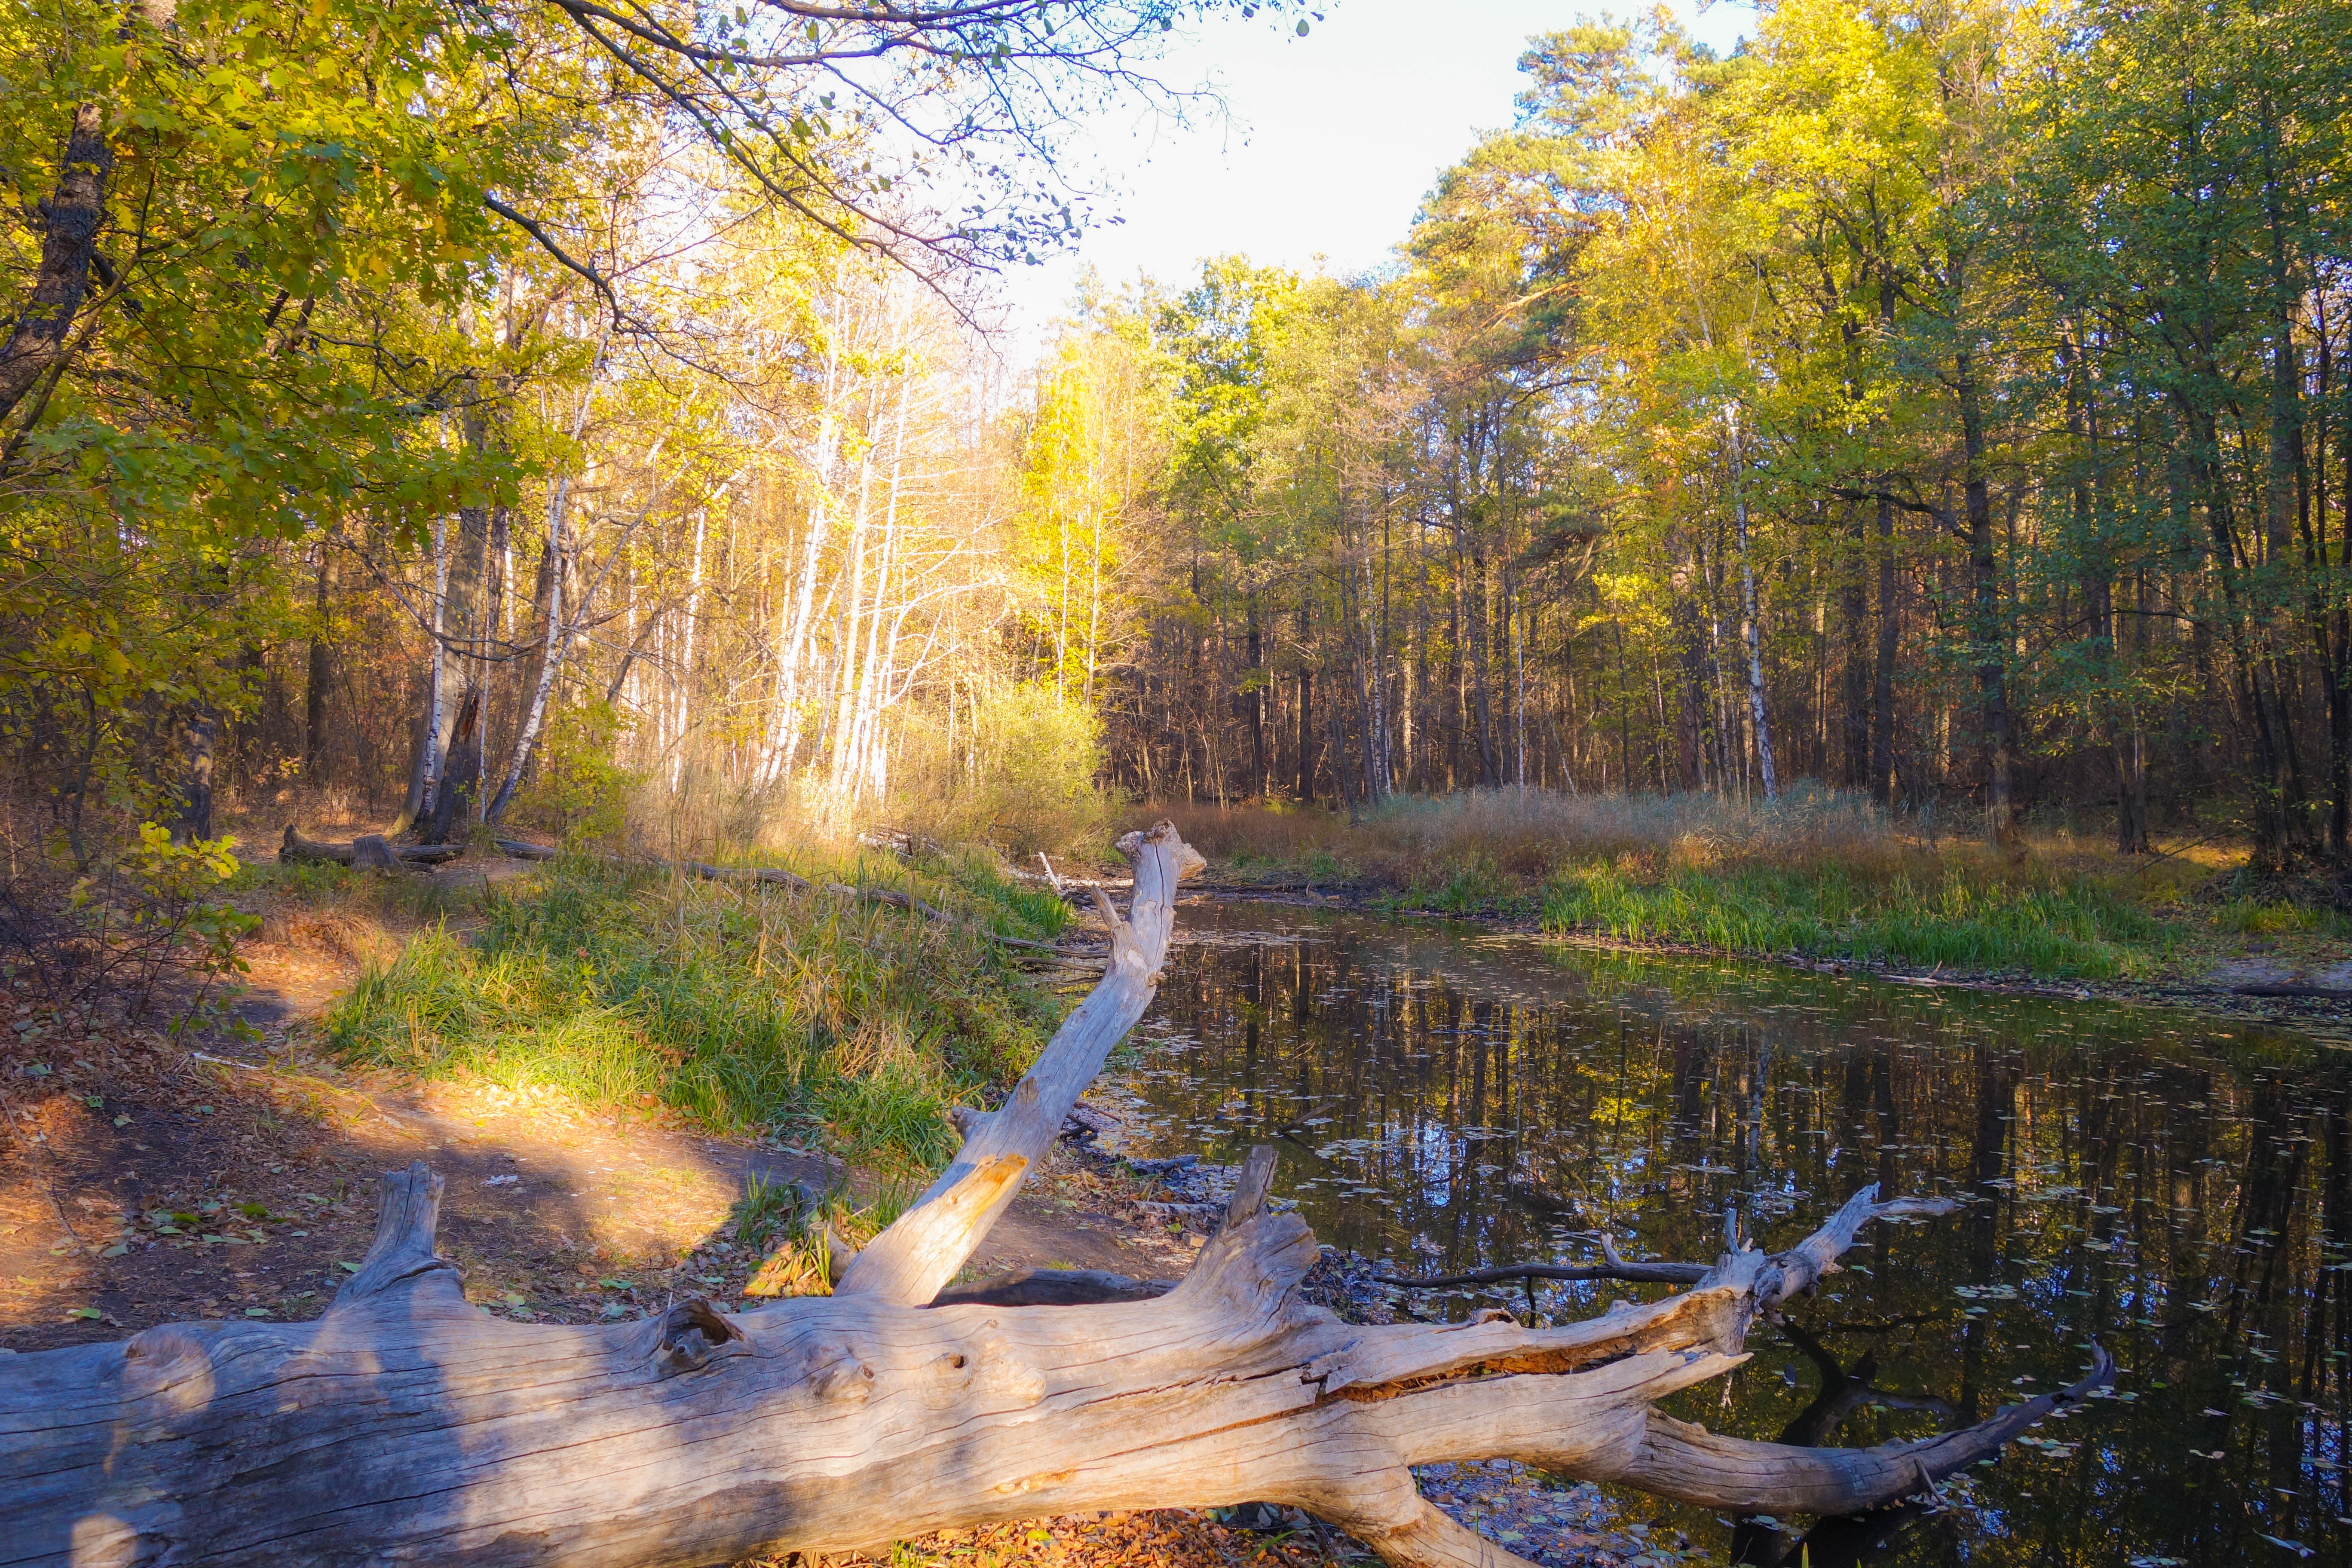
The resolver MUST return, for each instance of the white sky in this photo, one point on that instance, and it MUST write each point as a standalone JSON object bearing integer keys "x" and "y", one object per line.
{"x": 1333, "y": 138}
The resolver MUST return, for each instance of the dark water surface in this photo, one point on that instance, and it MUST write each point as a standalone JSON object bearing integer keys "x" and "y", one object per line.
{"x": 2179, "y": 1188}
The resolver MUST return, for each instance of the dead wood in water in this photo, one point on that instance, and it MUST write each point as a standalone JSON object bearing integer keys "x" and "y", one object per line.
{"x": 407, "y": 1426}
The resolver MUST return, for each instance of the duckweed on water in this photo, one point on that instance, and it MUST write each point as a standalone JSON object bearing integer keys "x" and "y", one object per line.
{"x": 743, "y": 1008}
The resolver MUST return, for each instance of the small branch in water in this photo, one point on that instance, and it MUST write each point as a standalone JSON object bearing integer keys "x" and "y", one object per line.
{"x": 1612, "y": 1266}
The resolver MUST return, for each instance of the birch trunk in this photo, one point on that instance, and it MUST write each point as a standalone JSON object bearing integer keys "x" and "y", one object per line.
{"x": 550, "y": 656}
{"x": 558, "y": 640}
{"x": 685, "y": 673}
{"x": 1750, "y": 632}
{"x": 785, "y": 745}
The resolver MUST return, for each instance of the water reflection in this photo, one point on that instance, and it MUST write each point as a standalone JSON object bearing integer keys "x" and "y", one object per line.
{"x": 2179, "y": 1188}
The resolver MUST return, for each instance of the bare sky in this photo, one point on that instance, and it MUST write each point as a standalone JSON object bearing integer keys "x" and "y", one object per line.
{"x": 1333, "y": 138}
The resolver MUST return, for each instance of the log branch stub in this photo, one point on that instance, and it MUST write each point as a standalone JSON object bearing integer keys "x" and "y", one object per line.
{"x": 408, "y": 1213}
{"x": 690, "y": 1334}
{"x": 1688, "y": 1463}
{"x": 1250, "y": 1189}
{"x": 927, "y": 1245}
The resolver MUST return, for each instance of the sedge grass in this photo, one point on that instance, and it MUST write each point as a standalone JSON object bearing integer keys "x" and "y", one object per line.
{"x": 742, "y": 1008}
{"x": 1947, "y": 920}
{"x": 1818, "y": 873}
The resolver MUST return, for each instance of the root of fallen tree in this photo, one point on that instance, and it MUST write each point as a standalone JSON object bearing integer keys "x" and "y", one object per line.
{"x": 407, "y": 1426}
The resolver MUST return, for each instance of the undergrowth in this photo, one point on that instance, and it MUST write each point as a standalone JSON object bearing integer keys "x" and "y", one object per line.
{"x": 744, "y": 1009}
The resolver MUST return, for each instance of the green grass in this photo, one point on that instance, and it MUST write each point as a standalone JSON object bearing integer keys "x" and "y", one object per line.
{"x": 2047, "y": 928}
{"x": 741, "y": 1008}
{"x": 1819, "y": 873}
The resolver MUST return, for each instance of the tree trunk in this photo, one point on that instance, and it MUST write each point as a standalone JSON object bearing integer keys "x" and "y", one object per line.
{"x": 550, "y": 656}
{"x": 1853, "y": 661}
{"x": 461, "y": 775}
{"x": 405, "y": 1426}
{"x": 320, "y": 675}
{"x": 1984, "y": 571}
{"x": 1751, "y": 631}
{"x": 72, "y": 214}
{"x": 197, "y": 734}
{"x": 1882, "y": 679}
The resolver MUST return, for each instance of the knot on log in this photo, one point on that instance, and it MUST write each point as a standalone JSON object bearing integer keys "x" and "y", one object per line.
{"x": 691, "y": 1334}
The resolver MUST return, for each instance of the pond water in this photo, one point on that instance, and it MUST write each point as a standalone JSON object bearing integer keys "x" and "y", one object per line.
{"x": 2179, "y": 1188}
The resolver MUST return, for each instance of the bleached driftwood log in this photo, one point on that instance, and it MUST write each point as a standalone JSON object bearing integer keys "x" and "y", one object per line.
{"x": 407, "y": 1426}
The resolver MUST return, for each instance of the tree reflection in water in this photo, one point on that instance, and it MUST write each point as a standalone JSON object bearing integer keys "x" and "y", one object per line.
{"x": 1449, "y": 1099}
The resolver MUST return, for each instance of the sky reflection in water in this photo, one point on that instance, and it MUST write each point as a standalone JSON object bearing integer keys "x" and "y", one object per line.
{"x": 2178, "y": 1187}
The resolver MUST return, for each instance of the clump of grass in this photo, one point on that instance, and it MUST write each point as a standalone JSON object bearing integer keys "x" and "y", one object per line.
{"x": 740, "y": 1008}
{"x": 325, "y": 888}
{"x": 1949, "y": 920}
{"x": 2258, "y": 917}
{"x": 802, "y": 1237}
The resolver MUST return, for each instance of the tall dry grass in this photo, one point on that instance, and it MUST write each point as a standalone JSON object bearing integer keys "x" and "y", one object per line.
{"x": 1527, "y": 835}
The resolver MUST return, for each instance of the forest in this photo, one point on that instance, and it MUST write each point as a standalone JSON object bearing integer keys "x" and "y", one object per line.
{"x": 533, "y": 540}
{"x": 1940, "y": 406}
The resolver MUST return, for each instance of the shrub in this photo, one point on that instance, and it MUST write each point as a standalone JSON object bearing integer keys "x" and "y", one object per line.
{"x": 579, "y": 794}
{"x": 1021, "y": 778}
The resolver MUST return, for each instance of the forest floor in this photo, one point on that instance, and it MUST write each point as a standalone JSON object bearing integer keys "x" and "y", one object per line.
{"x": 230, "y": 1172}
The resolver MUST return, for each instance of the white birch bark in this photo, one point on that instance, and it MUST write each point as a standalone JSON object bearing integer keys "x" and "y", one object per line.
{"x": 801, "y": 595}
{"x": 436, "y": 700}
{"x": 1749, "y": 631}
{"x": 685, "y": 674}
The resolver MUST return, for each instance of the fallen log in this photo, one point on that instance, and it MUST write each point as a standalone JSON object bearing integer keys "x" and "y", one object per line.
{"x": 407, "y": 1426}
{"x": 367, "y": 849}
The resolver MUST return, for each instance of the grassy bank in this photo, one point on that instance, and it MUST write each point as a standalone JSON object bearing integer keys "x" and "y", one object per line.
{"x": 1821, "y": 874}
{"x": 822, "y": 1019}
